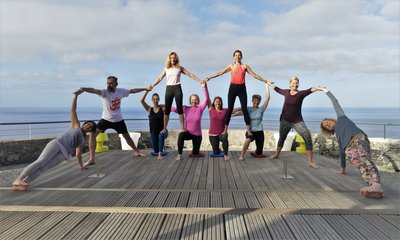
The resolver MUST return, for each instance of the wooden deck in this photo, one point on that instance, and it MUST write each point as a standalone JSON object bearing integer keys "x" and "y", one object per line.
{"x": 198, "y": 198}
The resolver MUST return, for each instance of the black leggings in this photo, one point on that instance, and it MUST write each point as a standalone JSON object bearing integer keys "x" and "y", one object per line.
{"x": 258, "y": 136}
{"x": 196, "y": 141}
{"x": 173, "y": 91}
{"x": 214, "y": 140}
{"x": 237, "y": 90}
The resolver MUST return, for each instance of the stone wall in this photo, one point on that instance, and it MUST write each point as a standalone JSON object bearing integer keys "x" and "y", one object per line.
{"x": 386, "y": 152}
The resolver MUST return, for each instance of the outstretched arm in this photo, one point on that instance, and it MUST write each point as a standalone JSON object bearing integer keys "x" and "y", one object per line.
{"x": 225, "y": 70}
{"x": 136, "y": 90}
{"x": 267, "y": 97}
{"x": 335, "y": 102}
{"x": 158, "y": 80}
{"x": 90, "y": 90}
{"x": 206, "y": 100}
{"x": 143, "y": 102}
{"x": 254, "y": 75}
{"x": 78, "y": 152}
{"x": 74, "y": 115}
{"x": 189, "y": 74}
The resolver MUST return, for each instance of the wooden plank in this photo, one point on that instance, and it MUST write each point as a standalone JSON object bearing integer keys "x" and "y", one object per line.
{"x": 222, "y": 176}
{"x": 236, "y": 227}
{"x": 160, "y": 199}
{"x": 150, "y": 227}
{"x": 172, "y": 227}
{"x": 203, "y": 200}
{"x": 13, "y": 220}
{"x": 236, "y": 176}
{"x": 239, "y": 199}
{"x": 214, "y": 227}
{"x": 65, "y": 226}
{"x": 109, "y": 226}
{"x": 288, "y": 200}
{"x": 299, "y": 227}
{"x": 264, "y": 200}
{"x": 87, "y": 226}
{"x": 197, "y": 174}
{"x": 342, "y": 227}
{"x": 216, "y": 200}
{"x": 193, "y": 227}
{"x": 136, "y": 199}
{"x": 204, "y": 174}
{"x": 276, "y": 200}
{"x": 183, "y": 199}
{"x": 386, "y": 228}
{"x": 42, "y": 227}
{"x": 256, "y": 227}
{"x": 23, "y": 226}
{"x": 392, "y": 219}
{"x": 130, "y": 227}
{"x": 193, "y": 200}
{"x": 277, "y": 227}
{"x": 210, "y": 173}
{"x": 322, "y": 228}
{"x": 227, "y": 200}
{"x": 124, "y": 199}
{"x": 172, "y": 199}
{"x": 251, "y": 200}
{"x": 368, "y": 230}
{"x": 148, "y": 199}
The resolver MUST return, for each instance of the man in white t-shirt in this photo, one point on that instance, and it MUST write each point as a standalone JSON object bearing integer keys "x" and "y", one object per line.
{"x": 111, "y": 115}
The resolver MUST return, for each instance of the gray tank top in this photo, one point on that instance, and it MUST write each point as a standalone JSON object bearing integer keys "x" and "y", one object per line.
{"x": 72, "y": 139}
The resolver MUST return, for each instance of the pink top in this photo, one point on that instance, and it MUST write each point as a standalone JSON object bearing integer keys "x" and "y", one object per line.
{"x": 193, "y": 115}
{"x": 237, "y": 75}
{"x": 217, "y": 124}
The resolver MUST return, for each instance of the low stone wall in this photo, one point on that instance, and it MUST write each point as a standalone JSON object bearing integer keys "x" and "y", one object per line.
{"x": 386, "y": 152}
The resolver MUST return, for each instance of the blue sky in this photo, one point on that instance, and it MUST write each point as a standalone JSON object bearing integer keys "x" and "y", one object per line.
{"x": 48, "y": 49}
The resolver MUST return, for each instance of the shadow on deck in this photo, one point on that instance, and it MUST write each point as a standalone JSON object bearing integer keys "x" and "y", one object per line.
{"x": 198, "y": 198}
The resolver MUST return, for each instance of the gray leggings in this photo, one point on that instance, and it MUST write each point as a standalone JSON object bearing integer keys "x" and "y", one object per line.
{"x": 300, "y": 128}
{"x": 51, "y": 156}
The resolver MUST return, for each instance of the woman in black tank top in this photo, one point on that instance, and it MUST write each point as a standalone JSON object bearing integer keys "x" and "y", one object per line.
{"x": 156, "y": 122}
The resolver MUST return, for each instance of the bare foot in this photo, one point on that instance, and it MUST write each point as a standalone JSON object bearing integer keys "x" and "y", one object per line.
{"x": 226, "y": 157}
{"x": 373, "y": 191}
{"x": 160, "y": 157}
{"x": 241, "y": 158}
{"x": 274, "y": 156}
{"x": 179, "y": 157}
{"x": 341, "y": 171}
{"x": 89, "y": 162}
{"x": 164, "y": 130}
{"x": 313, "y": 165}
{"x": 19, "y": 182}
{"x": 138, "y": 153}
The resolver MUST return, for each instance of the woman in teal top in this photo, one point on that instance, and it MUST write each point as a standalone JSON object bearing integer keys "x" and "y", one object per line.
{"x": 256, "y": 114}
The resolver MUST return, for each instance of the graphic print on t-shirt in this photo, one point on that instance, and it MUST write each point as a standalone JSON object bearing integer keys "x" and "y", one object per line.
{"x": 115, "y": 104}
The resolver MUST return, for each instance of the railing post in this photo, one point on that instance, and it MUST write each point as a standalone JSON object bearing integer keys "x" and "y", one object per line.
{"x": 285, "y": 175}
{"x": 384, "y": 131}
{"x": 30, "y": 131}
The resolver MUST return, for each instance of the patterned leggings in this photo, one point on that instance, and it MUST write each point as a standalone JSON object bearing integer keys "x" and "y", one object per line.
{"x": 359, "y": 154}
{"x": 301, "y": 129}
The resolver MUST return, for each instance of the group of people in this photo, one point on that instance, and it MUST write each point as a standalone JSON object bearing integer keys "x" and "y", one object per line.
{"x": 353, "y": 142}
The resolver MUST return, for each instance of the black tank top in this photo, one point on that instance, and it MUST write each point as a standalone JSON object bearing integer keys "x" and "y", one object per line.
{"x": 156, "y": 121}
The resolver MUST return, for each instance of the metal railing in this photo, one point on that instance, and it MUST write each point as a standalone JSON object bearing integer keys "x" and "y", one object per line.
{"x": 30, "y": 130}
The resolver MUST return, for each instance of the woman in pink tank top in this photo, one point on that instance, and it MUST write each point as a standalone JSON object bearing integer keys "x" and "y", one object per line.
{"x": 237, "y": 87}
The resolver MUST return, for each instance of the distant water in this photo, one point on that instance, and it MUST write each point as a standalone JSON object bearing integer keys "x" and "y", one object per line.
{"x": 370, "y": 120}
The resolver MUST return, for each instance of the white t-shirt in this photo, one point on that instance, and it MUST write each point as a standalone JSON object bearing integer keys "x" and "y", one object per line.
{"x": 173, "y": 76}
{"x": 112, "y": 104}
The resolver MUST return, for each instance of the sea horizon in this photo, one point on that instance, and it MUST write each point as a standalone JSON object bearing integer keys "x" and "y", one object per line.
{"x": 373, "y": 121}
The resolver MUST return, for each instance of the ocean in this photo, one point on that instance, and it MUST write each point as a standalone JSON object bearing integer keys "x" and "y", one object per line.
{"x": 375, "y": 122}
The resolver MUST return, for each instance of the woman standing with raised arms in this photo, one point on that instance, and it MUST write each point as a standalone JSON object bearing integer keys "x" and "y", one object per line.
{"x": 172, "y": 72}
{"x": 291, "y": 117}
{"x": 237, "y": 87}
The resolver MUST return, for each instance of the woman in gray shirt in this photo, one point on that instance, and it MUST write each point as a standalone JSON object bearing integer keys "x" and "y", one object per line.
{"x": 57, "y": 150}
{"x": 353, "y": 146}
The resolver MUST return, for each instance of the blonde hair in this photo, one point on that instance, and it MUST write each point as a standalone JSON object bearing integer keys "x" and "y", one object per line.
{"x": 168, "y": 62}
{"x": 294, "y": 78}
